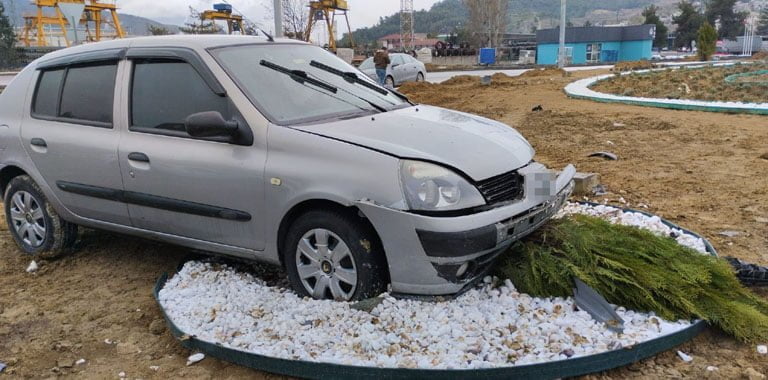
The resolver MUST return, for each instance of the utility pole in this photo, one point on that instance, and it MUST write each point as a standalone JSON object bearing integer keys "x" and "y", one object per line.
{"x": 561, "y": 50}
{"x": 278, "y": 18}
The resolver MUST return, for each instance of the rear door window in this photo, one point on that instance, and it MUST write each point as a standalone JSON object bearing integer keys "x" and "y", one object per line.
{"x": 397, "y": 60}
{"x": 77, "y": 94}
{"x": 88, "y": 93}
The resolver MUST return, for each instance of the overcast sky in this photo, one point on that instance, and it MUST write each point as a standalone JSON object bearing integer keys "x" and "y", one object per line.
{"x": 362, "y": 13}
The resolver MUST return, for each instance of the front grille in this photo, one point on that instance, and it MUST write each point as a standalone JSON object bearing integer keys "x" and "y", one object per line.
{"x": 502, "y": 188}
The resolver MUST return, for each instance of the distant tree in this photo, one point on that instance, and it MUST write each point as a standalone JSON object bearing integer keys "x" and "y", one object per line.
{"x": 688, "y": 23}
{"x": 157, "y": 30}
{"x": 295, "y": 17}
{"x": 7, "y": 40}
{"x": 707, "y": 41}
{"x": 762, "y": 25}
{"x": 204, "y": 27}
{"x": 651, "y": 17}
{"x": 488, "y": 19}
{"x": 723, "y": 12}
{"x": 587, "y": 23}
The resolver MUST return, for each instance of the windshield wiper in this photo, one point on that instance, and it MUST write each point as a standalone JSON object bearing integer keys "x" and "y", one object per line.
{"x": 299, "y": 76}
{"x": 349, "y": 77}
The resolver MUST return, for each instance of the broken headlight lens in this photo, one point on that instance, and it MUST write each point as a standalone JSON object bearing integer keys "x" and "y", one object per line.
{"x": 429, "y": 187}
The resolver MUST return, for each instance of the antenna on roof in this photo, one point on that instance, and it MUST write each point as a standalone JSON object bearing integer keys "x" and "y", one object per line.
{"x": 269, "y": 36}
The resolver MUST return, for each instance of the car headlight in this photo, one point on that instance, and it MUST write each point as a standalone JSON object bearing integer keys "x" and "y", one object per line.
{"x": 429, "y": 187}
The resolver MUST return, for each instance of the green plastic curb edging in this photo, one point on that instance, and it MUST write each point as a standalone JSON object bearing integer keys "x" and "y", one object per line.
{"x": 551, "y": 370}
{"x": 731, "y": 79}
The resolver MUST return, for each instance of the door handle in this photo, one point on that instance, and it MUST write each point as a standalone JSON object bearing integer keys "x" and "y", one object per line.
{"x": 38, "y": 142}
{"x": 138, "y": 157}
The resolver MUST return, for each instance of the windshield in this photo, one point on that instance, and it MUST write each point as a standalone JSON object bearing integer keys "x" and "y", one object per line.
{"x": 260, "y": 71}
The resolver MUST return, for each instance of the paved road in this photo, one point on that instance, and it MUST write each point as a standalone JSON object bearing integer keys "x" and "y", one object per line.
{"x": 438, "y": 77}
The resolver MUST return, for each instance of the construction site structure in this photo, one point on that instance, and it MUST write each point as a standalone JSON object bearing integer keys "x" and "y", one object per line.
{"x": 223, "y": 12}
{"x": 43, "y": 25}
{"x": 407, "y": 35}
{"x": 327, "y": 10}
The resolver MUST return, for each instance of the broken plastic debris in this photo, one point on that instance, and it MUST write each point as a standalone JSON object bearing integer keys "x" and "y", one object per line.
{"x": 32, "y": 267}
{"x": 619, "y": 125}
{"x": 592, "y": 302}
{"x": 711, "y": 368}
{"x": 80, "y": 362}
{"x": 729, "y": 234}
{"x": 606, "y": 155}
{"x": 154, "y": 367}
{"x": 685, "y": 357}
{"x": 121, "y": 375}
{"x": 762, "y": 349}
{"x": 2, "y": 366}
{"x": 192, "y": 359}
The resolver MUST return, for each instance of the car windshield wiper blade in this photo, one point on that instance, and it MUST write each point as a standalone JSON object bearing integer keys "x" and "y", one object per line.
{"x": 349, "y": 77}
{"x": 299, "y": 76}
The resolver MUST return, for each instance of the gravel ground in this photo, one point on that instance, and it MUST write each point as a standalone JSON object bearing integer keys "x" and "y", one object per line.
{"x": 221, "y": 305}
{"x": 701, "y": 170}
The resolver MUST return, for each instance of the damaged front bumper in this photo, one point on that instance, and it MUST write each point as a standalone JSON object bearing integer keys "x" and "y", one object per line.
{"x": 430, "y": 255}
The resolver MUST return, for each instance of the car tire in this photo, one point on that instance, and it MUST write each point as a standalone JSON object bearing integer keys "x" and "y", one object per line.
{"x": 35, "y": 226}
{"x": 389, "y": 82}
{"x": 334, "y": 255}
{"x": 420, "y": 77}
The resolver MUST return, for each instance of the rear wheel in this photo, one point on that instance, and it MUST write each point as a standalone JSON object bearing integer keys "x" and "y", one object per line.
{"x": 420, "y": 77}
{"x": 33, "y": 223}
{"x": 389, "y": 82}
{"x": 332, "y": 255}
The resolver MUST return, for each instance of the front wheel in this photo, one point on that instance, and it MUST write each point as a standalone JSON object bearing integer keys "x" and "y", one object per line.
{"x": 389, "y": 82}
{"x": 331, "y": 255}
{"x": 33, "y": 223}
{"x": 420, "y": 77}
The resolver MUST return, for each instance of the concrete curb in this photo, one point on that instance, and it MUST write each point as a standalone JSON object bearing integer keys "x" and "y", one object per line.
{"x": 581, "y": 90}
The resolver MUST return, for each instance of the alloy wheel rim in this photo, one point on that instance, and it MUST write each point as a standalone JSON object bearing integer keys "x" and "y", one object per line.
{"x": 28, "y": 219}
{"x": 325, "y": 265}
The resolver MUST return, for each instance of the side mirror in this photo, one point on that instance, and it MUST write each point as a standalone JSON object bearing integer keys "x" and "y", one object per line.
{"x": 209, "y": 124}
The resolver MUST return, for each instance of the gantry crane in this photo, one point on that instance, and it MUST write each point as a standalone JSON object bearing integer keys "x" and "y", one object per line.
{"x": 223, "y": 12}
{"x": 328, "y": 10}
{"x": 35, "y": 25}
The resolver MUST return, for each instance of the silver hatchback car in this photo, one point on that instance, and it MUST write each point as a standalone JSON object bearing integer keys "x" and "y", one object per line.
{"x": 268, "y": 150}
{"x": 404, "y": 68}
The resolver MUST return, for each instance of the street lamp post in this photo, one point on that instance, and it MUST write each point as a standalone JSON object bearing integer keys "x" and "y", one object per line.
{"x": 278, "y": 18}
{"x": 561, "y": 50}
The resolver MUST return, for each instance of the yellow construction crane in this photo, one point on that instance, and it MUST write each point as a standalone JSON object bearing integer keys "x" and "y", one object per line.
{"x": 35, "y": 25}
{"x": 223, "y": 12}
{"x": 328, "y": 10}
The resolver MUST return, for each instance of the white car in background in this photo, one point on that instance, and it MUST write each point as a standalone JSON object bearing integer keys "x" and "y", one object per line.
{"x": 404, "y": 68}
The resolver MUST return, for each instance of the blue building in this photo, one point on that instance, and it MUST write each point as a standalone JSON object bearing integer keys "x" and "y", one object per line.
{"x": 596, "y": 44}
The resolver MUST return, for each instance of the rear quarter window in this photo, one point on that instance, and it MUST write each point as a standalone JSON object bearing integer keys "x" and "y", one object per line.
{"x": 47, "y": 93}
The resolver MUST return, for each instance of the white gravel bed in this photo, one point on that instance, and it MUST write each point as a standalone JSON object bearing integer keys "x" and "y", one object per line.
{"x": 492, "y": 325}
{"x": 581, "y": 88}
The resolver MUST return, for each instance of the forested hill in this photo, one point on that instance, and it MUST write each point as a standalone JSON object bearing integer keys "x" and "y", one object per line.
{"x": 448, "y": 15}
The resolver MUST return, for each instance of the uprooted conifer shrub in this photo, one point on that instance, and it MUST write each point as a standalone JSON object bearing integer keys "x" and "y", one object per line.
{"x": 636, "y": 269}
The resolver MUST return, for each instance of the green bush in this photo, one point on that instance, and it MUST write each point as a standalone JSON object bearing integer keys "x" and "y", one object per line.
{"x": 636, "y": 269}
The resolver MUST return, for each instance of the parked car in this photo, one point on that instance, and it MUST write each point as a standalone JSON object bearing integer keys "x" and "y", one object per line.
{"x": 404, "y": 68}
{"x": 267, "y": 150}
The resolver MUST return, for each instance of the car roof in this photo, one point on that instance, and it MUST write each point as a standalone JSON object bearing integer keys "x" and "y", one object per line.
{"x": 184, "y": 41}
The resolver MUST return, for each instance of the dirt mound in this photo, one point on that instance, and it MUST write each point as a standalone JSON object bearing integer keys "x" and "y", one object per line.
{"x": 462, "y": 79}
{"x": 545, "y": 72}
{"x": 634, "y": 65}
{"x": 760, "y": 56}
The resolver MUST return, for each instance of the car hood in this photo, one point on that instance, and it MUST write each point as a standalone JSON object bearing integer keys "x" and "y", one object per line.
{"x": 480, "y": 148}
